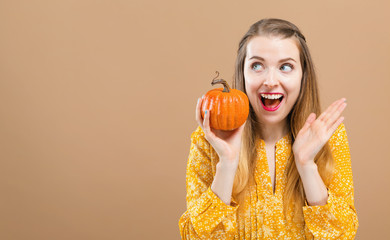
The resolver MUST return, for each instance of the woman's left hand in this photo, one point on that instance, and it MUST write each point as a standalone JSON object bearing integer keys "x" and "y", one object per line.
{"x": 316, "y": 132}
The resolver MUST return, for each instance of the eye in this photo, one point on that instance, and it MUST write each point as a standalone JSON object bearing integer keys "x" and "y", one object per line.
{"x": 287, "y": 67}
{"x": 257, "y": 67}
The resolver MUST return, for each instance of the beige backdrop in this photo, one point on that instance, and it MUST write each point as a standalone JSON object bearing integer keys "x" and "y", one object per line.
{"x": 97, "y": 102}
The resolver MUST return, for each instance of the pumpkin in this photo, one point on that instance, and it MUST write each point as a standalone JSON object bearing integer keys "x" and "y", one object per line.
{"x": 229, "y": 108}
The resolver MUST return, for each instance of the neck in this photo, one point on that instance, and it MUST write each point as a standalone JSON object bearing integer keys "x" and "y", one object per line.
{"x": 271, "y": 133}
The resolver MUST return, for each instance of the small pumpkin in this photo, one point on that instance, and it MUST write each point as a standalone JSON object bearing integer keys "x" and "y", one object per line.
{"x": 229, "y": 108}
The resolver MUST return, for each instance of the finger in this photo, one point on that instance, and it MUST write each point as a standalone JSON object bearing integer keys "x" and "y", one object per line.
{"x": 325, "y": 115}
{"x": 333, "y": 110}
{"x": 206, "y": 120}
{"x": 335, "y": 115}
{"x": 241, "y": 128}
{"x": 335, "y": 126}
{"x": 206, "y": 125}
{"x": 198, "y": 114}
{"x": 322, "y": 116}
{"x": 310, "y": 119}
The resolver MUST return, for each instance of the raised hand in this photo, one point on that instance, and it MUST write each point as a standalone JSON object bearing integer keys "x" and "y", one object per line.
{"x": 316, "y": 132}
{"x": 227, "y": 144}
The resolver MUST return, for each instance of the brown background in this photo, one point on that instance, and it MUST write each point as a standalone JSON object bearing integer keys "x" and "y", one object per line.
{"x": 97, "y": 102}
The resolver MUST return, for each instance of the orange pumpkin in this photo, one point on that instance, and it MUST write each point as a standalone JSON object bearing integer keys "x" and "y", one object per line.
{"x": 229, "y": 108}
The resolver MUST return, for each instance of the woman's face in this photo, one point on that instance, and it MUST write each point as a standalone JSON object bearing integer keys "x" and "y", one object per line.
{"x": 273, "y": 75}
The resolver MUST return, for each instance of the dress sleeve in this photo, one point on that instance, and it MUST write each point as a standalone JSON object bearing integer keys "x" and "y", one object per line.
{"x": 207, "y": 216}
{"x": 337, "y": 219}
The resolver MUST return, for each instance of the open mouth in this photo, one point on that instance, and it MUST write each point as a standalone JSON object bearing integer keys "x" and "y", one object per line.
{"x": 271, "y": 101}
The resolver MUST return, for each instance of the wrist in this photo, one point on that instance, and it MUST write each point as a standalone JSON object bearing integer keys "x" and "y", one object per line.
{"x": 308, "y": 167}
{"x": 227, "y": 166}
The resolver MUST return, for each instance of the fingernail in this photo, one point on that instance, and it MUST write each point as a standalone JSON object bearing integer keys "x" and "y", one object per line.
{"x": 205, "y": 112}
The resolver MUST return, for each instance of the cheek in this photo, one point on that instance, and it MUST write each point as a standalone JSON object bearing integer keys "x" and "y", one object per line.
{"x": 250, "y": 86}
{"x": 294, "y": 88}
{"x": 294, "y": 82}
{"x": 251, "y": 81}
{"x": 251, "y": 91}
{"x": 248, "y": 82}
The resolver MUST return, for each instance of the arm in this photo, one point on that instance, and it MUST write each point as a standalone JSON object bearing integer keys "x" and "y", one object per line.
{"x": 207, "y": 216}
{"x": 315, "y": 189}
{"x": 336, "y": 218}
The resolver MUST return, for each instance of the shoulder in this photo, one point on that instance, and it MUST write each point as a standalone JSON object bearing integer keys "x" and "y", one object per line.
{"x": 340, "y": 135}
{"x": 198, "y": 136}
{"x": 199, "y": 140}
{"x": 197, "y": 133}
{"x": 201, "y": 151}
{"x": 339, "y": 143}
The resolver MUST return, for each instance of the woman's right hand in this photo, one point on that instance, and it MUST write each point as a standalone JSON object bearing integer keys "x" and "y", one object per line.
{"x": 227, "y": 144}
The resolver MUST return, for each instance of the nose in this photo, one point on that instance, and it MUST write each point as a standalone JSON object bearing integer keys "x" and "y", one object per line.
{"x": 271, "y": 79}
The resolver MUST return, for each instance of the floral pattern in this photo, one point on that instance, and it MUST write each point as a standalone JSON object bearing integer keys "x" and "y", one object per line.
{"x": 207, "y": 217}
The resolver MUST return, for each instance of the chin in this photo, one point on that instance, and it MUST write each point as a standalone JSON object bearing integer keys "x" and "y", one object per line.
{"x": 272, "y": 120}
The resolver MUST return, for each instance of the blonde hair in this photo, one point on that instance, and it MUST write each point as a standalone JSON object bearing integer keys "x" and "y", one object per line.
{"x": 307, "y": 102}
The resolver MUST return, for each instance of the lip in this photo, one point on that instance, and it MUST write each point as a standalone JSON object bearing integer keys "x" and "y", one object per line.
{"x": 271, "y": 109}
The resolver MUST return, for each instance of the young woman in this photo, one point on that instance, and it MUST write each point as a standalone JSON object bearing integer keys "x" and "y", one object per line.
{"x": 286, "y": 173}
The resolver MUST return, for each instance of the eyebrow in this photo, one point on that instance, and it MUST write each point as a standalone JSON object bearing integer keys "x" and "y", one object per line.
{"x": 281, "y": 60}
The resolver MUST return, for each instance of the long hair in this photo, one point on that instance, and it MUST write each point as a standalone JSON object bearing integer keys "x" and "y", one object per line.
{"x": 307, "y": 102}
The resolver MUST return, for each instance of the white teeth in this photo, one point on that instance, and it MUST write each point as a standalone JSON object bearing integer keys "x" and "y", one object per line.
{"x": 271, "y": 96}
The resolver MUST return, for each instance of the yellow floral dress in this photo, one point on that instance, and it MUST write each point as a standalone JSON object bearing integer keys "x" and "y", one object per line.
{"x": 207, "y": 217}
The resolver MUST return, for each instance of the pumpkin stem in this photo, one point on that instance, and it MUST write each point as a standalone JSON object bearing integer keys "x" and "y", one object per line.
{"x": 226, "y": 87}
